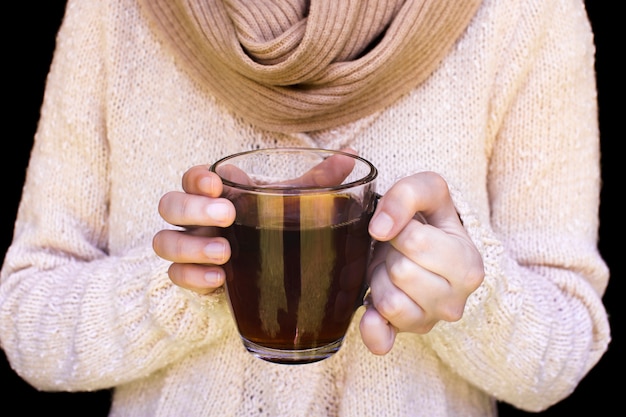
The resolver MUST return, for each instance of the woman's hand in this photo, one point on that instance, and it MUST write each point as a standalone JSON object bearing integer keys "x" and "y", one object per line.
{"x": 197, "y": 252}
{"x": 424, "y": 267}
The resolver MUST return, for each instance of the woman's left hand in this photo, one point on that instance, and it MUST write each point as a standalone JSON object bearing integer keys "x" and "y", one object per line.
{"x": 425, "y": 266}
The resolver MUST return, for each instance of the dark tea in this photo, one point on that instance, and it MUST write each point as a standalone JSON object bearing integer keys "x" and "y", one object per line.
{"x": 299, "y": 248}
{"x": 297, "y": 273}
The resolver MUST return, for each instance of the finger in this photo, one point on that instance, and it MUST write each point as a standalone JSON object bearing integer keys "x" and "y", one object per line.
{"x": 199, "y": 180}
{"x": 183, "y": 209}
{"x": 450, "y": 262}
{"x": 234, "y": 174}
{"x": 203, "y": 279}
{"x": 425, "y": 193}
{"x": 395, "y": 305}
{"x": 331, "y": 171}
{"x": 429, "y": 297}
{"x": 181, "y": 247}
{"x": 378, "y": 257}
{"x": 377, "y": 334}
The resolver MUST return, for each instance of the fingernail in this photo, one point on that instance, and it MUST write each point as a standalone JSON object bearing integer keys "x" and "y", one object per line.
{"x": 218, "y": 211}
{"x": 212, "y": 278}
{"x": 215, "y": 251}
{"x": 382, "y": 225}
{"x": 206, "y": 183}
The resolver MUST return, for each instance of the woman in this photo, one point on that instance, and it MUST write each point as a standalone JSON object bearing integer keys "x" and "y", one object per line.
{"x": 481, "y": 116}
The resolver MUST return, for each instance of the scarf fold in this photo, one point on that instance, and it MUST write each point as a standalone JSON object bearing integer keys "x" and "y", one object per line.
{"x": 306, "y": 65}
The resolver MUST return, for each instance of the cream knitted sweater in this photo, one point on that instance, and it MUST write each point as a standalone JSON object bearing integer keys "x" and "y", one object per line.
{"x": 509, "y": 118}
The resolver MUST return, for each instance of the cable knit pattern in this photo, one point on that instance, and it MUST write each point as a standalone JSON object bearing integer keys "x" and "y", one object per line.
{"x": 508, "y": 117}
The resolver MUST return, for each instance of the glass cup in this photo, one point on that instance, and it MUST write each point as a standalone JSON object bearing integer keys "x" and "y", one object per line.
{"x": 299, "y": 248}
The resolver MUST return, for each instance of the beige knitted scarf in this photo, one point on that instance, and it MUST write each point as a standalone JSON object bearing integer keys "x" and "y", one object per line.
{"x": 306, "y": 65}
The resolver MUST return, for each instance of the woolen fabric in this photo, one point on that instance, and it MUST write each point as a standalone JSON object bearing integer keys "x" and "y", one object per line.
{"x": 508, "y": 116}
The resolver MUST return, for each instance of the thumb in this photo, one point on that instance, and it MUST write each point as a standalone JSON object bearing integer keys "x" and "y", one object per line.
{"x": 330, "y": 172}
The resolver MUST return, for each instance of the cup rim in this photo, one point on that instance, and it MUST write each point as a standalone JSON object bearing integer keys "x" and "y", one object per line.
{"x": 368, "y": 178}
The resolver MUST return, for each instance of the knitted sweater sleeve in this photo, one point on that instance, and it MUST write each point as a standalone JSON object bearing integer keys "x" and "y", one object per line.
{"x": 76, "y": 314}
{"x": 537, "y": 325}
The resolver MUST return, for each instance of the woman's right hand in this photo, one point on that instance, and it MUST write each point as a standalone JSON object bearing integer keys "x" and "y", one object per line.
{"x": 196, "y": 252}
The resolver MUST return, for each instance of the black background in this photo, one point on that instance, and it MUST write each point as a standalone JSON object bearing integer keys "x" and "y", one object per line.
{"x": 30, "y": 46}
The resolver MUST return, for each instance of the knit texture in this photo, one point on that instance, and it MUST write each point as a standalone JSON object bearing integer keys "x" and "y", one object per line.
{"x": 296, "y": 65}
{"x": 508, "y": 117}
